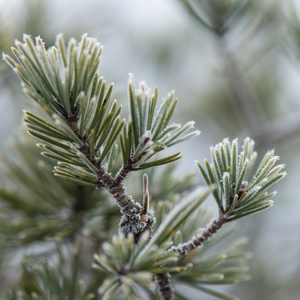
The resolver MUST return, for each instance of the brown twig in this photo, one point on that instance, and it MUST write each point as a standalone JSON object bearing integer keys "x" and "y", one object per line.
{"x": 198, "y": 241}
{"x": 133, "y": 220}
{"x": 164, "y": 286}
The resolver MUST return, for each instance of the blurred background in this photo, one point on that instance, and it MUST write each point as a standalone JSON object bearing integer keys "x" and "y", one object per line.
{"x": 235, "y": 67}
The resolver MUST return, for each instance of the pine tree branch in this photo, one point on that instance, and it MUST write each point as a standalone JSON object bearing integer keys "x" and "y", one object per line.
{"x": 86, "y": 134}
{"x": 123, "y": 172}
{"x": 198, "y": 241}
{"x": 242, "y": 94}
{"x": 234, "y": 196}
{"x": 65, "y": 82}
{"x": 164, "y": 286}
{"x": 133, "y": 220}
{"x": 164, "y": 280}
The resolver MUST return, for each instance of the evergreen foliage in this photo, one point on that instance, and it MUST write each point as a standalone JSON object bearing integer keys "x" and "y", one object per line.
{"x": 236, "y": 197}
{"x": 161, "y": 244}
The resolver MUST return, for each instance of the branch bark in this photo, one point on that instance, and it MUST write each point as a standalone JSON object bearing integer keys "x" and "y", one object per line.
{"x": 164, "y": 286}
{"x": 133, "y": 218}
{"x": 198, "y": 241}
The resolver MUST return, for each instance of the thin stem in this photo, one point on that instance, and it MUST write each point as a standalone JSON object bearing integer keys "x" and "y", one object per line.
{"x": 123, "y": 172}
{"x": 198, "y": 241}
{"x": 164, "y": 286}
{"x": 163, "y": 280}
{"x": 146, "y": 196}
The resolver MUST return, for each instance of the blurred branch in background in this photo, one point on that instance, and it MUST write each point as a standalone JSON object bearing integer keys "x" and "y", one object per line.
{"x": 237, "y": 27}
{"x": 256, "y": 41}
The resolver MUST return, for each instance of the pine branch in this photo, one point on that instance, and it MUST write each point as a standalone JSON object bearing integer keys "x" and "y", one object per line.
{"x": 133, "y": 221}
{"x": 219, "y": 18}
{"x": 84, "y": 124}
{"x": 164, "y": 286}
{"x": 198, "y": 241}
{"x": 146, "y": 134}
{"x": 123, "y": 172}
{"x": 163, "y": 280}
{"x": 124, "y": 260}
{"x": 234, "y": 196}
{"x": 243, "y": 96}
{"x": 82, "y": 130}
{"x": 131, "y": 210}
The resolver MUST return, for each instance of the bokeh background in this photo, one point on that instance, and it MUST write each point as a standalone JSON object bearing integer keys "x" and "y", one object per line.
{"x": 235, "y": 67}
